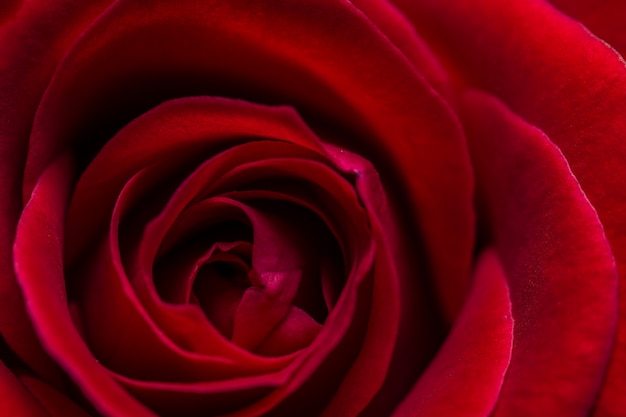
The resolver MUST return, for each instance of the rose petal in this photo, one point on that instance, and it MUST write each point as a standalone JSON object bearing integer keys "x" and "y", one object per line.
{"x": 120, "y": 328}
{"x": 350, "y": 82}
{"x": 333, "y": 335}
{"x": 295, "y": 332}
{"x": 604, "y": 18}
{"x": 174, "y": 134}
{"x": 141, "y": 268}
{"x": 395, "y": 26}
{"x": 31, "y": 44}
{"x": 37, "y": 254}
{"x": 404, "y": 325}
{"x": 553, "y": 72}
{"x": 345, "y": 220}
{"x": 176, "y": 273}
{"x": 204, "y": 177}
{"x": 219, "y": 297}
{"x": 466, "y": 376}
{"x": 280, "y": 262}
{"x": 556, "y": 258}
{"x": 235, "y": 393}
{"x": 55, "y": 403}
{"x": 9, "y": 8}
{"x": 16, "y": 400}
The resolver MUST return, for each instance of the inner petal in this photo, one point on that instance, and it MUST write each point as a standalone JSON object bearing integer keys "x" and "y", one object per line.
{"x": 175, "y": 275}
{"x": 246, "y": 302}
{"x": 219, "y": 289}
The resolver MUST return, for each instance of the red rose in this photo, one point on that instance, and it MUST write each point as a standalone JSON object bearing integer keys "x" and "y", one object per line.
{"x": 312, "y": 208}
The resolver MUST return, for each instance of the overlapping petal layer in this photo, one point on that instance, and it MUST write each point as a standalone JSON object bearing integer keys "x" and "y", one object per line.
{"x": 553, "y": 72}
{"x": 32, "y": 44}
{"x": 38, "y": 253}
{"x": 116, "y": 92}
{"x": 380, "y": 108}
{"x": 16, "y": 399}
{"x": 270, "y": 156}
{"x": 605, "y": 19}
{"x": 466, "y": 376}
{"x": 555, "y": 256}
{"x": 179, "y": 248}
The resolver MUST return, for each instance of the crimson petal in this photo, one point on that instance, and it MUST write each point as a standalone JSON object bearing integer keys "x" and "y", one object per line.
{"x": 553, "y": 72}
{"x": 55, "y": 403}
{"x": 38, "y": 253}
{"x": 16, "y": 399}
{"x": 206, "y": 48}
{"x": 604, "y": 18}
{"x": 556, "y": 258}
{"x": 27, "y": 65}
{"x": 465, "y": 378}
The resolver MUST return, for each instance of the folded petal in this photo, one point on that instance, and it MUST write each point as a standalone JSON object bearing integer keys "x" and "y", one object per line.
{"x": 465, "y": 378}
{"x": 350, "y": 85}
{"x": 55, "y": 403}
{"x": 33, "y": 39}
{"x": 556, "y": 258}
{"x": 560, "y": 77}
{"x": 38, "y": 265}
{"x": 16, "y": 400}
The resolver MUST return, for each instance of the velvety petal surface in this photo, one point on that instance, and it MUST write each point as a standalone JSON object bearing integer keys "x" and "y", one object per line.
{"x": 55, "y": 403}
{"x": 398, "y": 29}
{"x": 32, "y": 42}
{"x": 176, "y": 133}
{"x": 354, "y": 86}
{"x": 275, "y": 122}
{"x": 38, "y": 264}
{"x": 553, "y": 72}
{"x": 16, "y": 400}
{"x": 466, "y": 376}
{"x": 604, "y": 18}
{"x": 556, "y": 258}
{"x": 9, "y": 8}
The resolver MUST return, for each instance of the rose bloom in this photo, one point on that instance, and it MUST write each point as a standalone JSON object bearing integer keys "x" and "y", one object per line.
{"x": 312, "y": 208}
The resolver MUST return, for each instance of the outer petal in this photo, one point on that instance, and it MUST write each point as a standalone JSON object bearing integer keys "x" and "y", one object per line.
{"x": 604, "y": 18}
{"x": 556, "y": 258}
{"x": 398, "y": 29}
{"x": 8, "y": 8}
{"x": 32, "y": 41}
{"x": 554, "y": 73}
{"x": 55, "y": 403}
{"x": 38, "y": 264}
{"x": 15, "y": 398}
{"x": 465, "y": 377}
